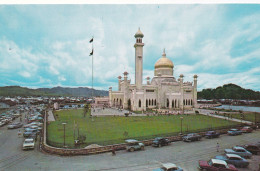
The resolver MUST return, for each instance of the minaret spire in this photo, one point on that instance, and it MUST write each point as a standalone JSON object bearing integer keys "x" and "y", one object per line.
{"x": 164, "y": 54}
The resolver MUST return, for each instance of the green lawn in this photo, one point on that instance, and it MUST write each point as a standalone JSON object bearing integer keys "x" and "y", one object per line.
{"x": 245, "y": 116}
{"x": 107, "y": 130}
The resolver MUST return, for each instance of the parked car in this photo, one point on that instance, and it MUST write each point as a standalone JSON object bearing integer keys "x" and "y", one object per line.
{"x": 169, "y": 167}
{"x": 15, "y": 125}
{"x": 234, "y": 159}
{"x": 133, "y": 145}
{"x": 239, "y": 151}
{"x": 191, "y": 137}
{"x": 246, "y": 129}
{"x": 28, "y": 144}
{"x": 234, "y": 132}
{"x": 216, "y": 165}
{"x": 2, "y": 123}
{"x": 33, "y": 136}
{"x": 252, "y": 148}
{"x": 212, "y": 134}
{"x": 29, "y": 133}
{"x": 159, "y": 141}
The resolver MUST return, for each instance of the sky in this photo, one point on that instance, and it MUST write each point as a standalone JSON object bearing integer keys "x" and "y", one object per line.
{"x": 48, "y": 45}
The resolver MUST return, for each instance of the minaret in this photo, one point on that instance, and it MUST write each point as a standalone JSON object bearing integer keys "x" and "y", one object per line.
{"x": 139, "y": 59}
{"x": 195, "y": 91}
{"x": 119, "y": 83}
{"x": 182, "y": 93}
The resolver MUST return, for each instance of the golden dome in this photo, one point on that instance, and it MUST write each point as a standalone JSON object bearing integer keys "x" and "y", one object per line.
{"x": 163, "y": 62}
{"x": 139, "y": 33}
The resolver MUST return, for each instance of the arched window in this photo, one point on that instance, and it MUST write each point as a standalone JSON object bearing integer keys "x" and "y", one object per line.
{"x": 167, "y": 103}
{"x": 155, "y": 102}
{"x": 173, "y": 104}
{"x": 120, "y": 102}
{"x": 140, "y": 104}
{"x": 191, "y": 102}
{"x": 152, "y": 102}
{"x": 149, "y": 102}
{"x": 116, "y": 101}
{"x": 184, "y": 102}
{"x": 146, "y": 103}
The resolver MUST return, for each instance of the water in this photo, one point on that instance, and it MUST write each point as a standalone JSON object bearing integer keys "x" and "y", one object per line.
{"x": 243, "y": 108}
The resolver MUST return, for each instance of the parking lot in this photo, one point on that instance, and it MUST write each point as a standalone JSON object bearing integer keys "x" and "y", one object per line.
{"x": 186, "y": 155}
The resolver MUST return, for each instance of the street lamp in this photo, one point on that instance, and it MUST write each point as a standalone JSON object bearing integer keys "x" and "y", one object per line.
{"x": 181, "y": 123}
{"x": 64, "y": 133}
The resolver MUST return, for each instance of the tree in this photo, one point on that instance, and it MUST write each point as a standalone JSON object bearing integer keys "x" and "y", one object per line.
{"x": 86, "y": 109}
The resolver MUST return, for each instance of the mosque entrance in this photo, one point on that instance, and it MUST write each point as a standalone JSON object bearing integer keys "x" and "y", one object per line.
{"x": 129, "y": 104}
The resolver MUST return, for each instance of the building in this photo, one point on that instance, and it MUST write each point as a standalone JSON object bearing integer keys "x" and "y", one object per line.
{"x": 163, "y": 91}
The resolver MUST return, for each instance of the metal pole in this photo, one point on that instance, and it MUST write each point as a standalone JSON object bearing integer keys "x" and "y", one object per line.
{"x": 92, "y": 69}
{"x": 181, "y": 124}
{"x": 64, "y": 134}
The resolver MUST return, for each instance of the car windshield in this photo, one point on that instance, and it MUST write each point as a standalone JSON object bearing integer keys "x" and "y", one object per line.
{"x": 28, "y": 141}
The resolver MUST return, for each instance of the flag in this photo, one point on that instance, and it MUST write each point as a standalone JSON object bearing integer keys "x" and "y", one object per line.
{"x": 91, "y": 53}
{"x": 91, "y": 40}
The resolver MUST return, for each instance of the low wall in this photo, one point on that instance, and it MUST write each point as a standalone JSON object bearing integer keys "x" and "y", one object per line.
{"x": 103, "y": 149}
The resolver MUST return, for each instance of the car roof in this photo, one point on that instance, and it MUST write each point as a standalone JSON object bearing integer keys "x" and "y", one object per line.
{"x": 219, "y": 161}
{"x": 131, "y": 141}
{"x": 233, "y": 155}
{"x": 233, "y": 129}
{"x": 169, "y": 165}
{"x": 237, "y": 147}
{"x": 29, "y": 139}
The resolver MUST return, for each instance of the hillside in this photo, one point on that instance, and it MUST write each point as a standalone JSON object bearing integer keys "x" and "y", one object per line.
{"x": 229, "y": 91}
{"x": 56, "y": 91}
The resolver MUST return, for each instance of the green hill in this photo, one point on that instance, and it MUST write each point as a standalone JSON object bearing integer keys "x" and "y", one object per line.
{"x": 229, "y": 91}
{"x": 56, "y": 91}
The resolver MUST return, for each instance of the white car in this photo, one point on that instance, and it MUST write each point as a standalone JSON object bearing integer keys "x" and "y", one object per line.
{"x": 28, "y": 144}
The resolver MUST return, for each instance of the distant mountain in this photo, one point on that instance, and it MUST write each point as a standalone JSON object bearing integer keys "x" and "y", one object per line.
{"x": 56, "y": 91}
{"x": 229, "y": 91}
{"x": 80, "y": 91}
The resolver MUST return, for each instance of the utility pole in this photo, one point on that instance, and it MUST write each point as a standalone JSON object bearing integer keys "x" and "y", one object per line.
{"x": 64, "y": 133}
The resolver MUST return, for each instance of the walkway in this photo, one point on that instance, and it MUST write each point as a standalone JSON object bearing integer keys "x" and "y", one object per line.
{"x": 209, "y": 113}
{"x": 50, "y": 116}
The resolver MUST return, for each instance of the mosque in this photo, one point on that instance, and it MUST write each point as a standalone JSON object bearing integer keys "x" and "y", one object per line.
{"x": 163, "y": 91}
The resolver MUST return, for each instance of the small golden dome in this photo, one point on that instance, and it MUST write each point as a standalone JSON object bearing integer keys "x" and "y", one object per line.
{"x": 139, "y": 33}
{"x": 163, "y": 62}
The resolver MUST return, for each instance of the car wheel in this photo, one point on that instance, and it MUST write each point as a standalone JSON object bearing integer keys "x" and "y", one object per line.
{"x": 132, "y": 149}
{"x": 142, "y": 148}
{"x": 159, "y": 145}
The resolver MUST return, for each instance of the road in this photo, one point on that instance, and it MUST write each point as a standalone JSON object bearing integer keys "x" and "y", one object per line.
{"x": 183, "y": 154}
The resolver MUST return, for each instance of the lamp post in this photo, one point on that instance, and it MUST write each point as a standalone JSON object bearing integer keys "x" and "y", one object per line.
{"x": 181, "y": 124}
{"x": 64, "y": 133}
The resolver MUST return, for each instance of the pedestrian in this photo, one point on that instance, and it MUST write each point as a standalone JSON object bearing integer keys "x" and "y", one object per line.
{"x": 113, "y": 152}
{"x": 19, "y": 133}
{"x": 217, "y": 147}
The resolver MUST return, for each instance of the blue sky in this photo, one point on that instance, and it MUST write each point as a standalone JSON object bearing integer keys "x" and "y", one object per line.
{"x": 48, "y": 45}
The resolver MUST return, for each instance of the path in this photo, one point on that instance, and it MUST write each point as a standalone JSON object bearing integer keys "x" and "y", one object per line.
{"x": 209, "y": 113}
{"x": 50, "y": 116}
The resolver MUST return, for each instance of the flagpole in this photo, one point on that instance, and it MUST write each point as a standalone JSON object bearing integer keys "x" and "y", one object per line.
{"x": 92, "y": 70}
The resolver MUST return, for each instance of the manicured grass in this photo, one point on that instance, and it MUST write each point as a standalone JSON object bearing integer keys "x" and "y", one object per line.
{"x": 107, "y": 130}
{"x": 245, "y": 116}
